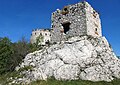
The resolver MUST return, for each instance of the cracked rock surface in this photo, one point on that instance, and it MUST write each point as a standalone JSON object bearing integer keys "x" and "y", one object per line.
{"x": 80, "y": 57}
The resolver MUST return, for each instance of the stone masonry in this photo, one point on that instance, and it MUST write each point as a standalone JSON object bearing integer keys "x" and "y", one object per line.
{"x": 75, "y": 20}
{"x": 40, "y": 32}
{"x": 72, "y": 20}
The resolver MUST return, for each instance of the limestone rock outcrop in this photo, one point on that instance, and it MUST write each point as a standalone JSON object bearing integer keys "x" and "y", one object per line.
{"x": 80, "y": 57}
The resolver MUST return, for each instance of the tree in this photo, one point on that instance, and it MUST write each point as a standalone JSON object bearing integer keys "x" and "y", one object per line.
{"x": 6, "y": 52}
{"x": 21, "y": 49}
{"x": 12, "y": 54}
{"x": 39, "y": 41}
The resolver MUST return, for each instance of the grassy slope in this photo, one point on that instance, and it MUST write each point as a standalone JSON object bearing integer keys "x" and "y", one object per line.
{"x": 4, "y": 81}
{"x": 75, "y": 82}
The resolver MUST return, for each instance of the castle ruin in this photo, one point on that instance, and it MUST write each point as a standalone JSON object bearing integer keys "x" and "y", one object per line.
{"x": 73, "y": 20}
{"x": 40, "y": 32}
{"x": 85, "y": 54}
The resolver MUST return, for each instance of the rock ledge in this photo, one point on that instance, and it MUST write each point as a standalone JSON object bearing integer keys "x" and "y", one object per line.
{"x": 80, "y": 57}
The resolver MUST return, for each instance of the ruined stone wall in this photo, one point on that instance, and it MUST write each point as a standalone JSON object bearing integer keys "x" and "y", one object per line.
{"x": 45, "y": 33}
{"x": 75, "y": 16}
{"x": 93, "y": 21}
{"x": 72, "y": 20}
{"x": 81, "y": 19}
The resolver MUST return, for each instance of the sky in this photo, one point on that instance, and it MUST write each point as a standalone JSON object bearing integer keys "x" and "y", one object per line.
{"x": 19, "y": 17}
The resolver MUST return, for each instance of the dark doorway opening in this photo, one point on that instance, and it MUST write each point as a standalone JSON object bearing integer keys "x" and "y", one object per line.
{"x": 66, "y": 27}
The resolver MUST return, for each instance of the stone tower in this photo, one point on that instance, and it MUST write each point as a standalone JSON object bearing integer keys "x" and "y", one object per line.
{"x": 40, "y": 32}
{"x": 87, "y": 56}
{"x": 75, "y": 20}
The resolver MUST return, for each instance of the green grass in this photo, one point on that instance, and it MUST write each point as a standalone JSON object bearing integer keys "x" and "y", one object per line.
{"x": 74, "y": 82}
{"x": 4, "y": 80}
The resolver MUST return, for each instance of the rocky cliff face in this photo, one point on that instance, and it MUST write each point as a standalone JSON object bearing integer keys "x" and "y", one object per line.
{"x": 82, "y": 57}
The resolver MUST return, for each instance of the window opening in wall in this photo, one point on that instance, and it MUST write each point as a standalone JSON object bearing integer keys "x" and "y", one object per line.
{"x": 96, "y": 29}
{"x": 65, "y": 10}
{"x": 66, "y": 27}
{"x": 47, "y": 42}
{"x": 94, "y": 14}
{"x": 40, "y": 34}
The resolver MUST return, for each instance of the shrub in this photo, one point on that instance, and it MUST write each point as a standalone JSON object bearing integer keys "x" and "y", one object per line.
{"x": 6, "y": 52}
{"x": 26, "y": 68}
